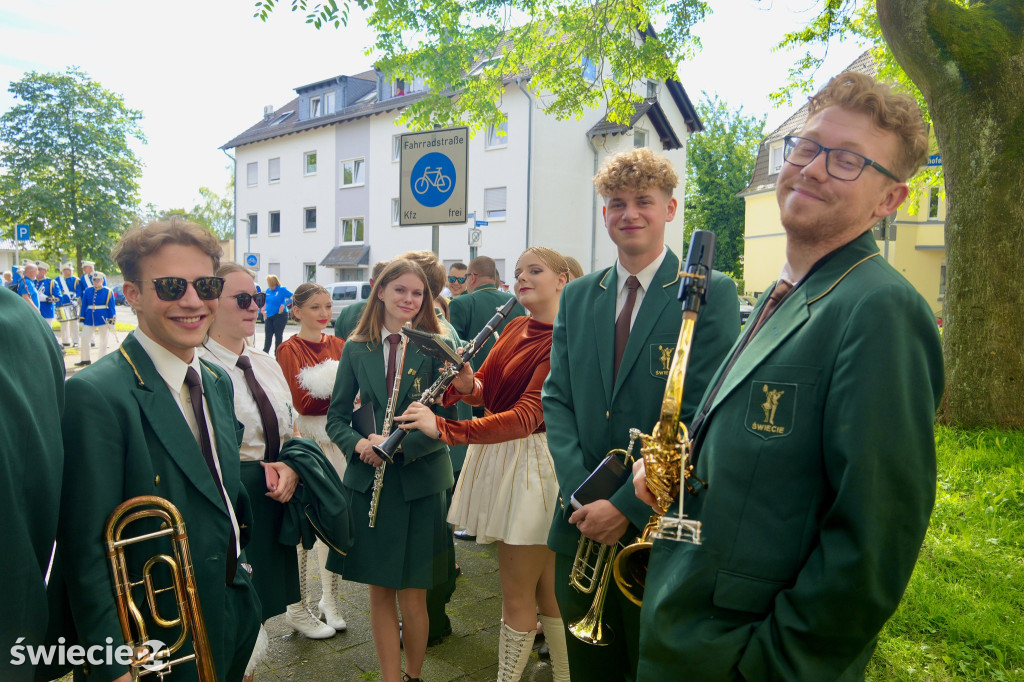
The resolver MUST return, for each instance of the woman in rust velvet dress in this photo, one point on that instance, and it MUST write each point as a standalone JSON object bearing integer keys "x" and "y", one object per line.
{"x": 507, "y": 492}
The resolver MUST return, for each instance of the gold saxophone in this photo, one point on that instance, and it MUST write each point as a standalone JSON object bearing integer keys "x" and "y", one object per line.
{"x": 190, "y": 614}
{"x": 666, "y": 451}
{"x": 389, "y": 417}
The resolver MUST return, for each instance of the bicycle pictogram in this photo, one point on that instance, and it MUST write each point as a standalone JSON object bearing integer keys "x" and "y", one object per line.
{"x": 432, "y": 177}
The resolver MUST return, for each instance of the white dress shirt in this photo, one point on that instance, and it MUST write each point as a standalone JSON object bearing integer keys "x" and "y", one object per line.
{"x": 645, "y": 277}
{"x": 172, "y": 370}
{"x": 271, "y": 378}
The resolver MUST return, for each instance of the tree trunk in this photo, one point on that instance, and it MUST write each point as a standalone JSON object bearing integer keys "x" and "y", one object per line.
{"x": 969, "y": 65}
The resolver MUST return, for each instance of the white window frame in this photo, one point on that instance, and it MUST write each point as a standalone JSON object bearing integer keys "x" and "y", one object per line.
{"x": 305, "y": 219}
{"x": 497, "y": 136}
{"x": 270, "y": 170}
{"x": 490, "y": 198}
{"x": 652, "y": 89}
{"x": 396, "y": 211}
{"x": 359, "y": 178}
{"x": 396, "y": 148}
{"x": 330, "y": 98}
{"x": 641, "y": 138}
{"x": 305, "y": 163}
{"x": 353, "y": 219}
{"x": 314, "y": 107}
{"x": 305, "y": 272}
{"x": 253, "y": 220}
{"x": 252, "y": 172}
{"x": 775, "y": 157}
{"x": 270, "y": 223}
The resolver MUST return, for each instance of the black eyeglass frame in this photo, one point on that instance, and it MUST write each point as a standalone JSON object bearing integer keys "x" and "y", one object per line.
{"x": 452, "y": 279}
{"x": 789, "y": 145}
{"x": 200, "y": 284}
{"x": 259, "y": 297}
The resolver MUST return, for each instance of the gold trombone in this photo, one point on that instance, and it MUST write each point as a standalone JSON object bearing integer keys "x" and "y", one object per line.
{"x": 389, "y": 418}
{"x": 189, "y": 619}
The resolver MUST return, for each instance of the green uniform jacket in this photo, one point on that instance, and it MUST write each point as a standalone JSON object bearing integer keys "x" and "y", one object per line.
{"x": 819, "y": 455}
{"x": 425, "y": 467}
{"x": 31, "y": 458}
{"x": 585, "y": 414}
{"x": 348, "y": 319}
{"x": 470, "y": 312}
{"x": 129, "y": 438}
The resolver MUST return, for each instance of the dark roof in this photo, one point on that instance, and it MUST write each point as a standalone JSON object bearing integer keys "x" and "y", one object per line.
{"x": 650, "y": 108}
{"x": 762, "y": 180}
{"x": 347, "y": 256}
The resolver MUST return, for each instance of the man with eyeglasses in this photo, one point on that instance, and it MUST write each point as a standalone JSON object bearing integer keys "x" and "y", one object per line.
{"x": 153, "y": 419}
{"x": 815, "y": 439}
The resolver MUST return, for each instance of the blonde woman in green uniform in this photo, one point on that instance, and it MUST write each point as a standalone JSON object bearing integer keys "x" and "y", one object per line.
{"x": 404, "y": 554}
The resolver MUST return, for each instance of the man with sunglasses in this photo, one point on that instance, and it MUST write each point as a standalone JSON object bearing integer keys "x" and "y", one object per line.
{"x": 456, "y": 280}
{"x": 814, "y": 449}
{"x": 153, "y": 419}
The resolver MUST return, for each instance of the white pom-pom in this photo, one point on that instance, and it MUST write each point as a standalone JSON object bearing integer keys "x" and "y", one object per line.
{"x": 318, "y": 380}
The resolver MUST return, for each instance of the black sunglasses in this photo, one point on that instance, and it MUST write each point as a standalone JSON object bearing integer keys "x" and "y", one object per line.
{"x": 453, "y": 279}
{"x": 244, "y": 299}
{"x": 173, "y": 288}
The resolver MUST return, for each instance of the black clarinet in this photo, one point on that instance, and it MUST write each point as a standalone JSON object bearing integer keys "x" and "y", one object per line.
{"x": 389, "y": 447}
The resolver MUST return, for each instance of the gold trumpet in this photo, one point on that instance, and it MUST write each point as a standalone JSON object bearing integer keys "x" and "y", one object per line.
{"x": 189, "y": 619}
{"x": 666, "y": 451}
{"x": 592, "y": 572}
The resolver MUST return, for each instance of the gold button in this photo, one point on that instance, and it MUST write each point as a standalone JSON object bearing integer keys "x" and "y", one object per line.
{"x": 607, "y": 415}
{"x": 156, "y": 481}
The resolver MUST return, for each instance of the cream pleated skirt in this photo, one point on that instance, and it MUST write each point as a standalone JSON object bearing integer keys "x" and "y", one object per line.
{"x": 507, "y": 492}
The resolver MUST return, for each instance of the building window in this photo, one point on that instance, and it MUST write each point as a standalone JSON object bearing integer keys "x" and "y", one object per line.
{"x": 652, "y": 89}
{"x": 314, "y": 107}
{"x": 775, "y": 157}
{"x": 253, "y": 224}
{"x": 497, "y": 136}
{"x": 396, "y": 212}
{"x": 309, "y": 163}
{"x": 399, "y": 87}
{"x": 329, "y": 103}
{"x": 494, "y": 203}
{"x": 274, "y": 170}
{"x": 589, "y": 69}
{"x": 252, "y": 174}
{"x": 309, "y": 272}
{"x": 639, "y": 138}
{"x": 942, "y": 280}
{"x": 396, "y": 147}
{"x": 352, "y": 230}
{"x": 353, "y": 173}
{"x": 349, "y": 275}
{"x": 309, "y": 224}
{"x": 933, "y": 203}
{"x": 274, "y": 269}
{"x": 275, "y": 222}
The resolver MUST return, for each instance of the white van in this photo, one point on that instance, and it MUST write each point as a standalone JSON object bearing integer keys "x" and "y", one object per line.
{"x": 344, "y": 294}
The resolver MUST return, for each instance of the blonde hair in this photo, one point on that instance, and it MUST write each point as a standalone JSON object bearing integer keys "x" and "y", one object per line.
{"x": 372, "y": 322}
{"x": 894, "y": 112}
{"x": 575, "y": 269}
{"x": 551, "y": 258}
{"x": 636, "y": 170}
{"x": 231, "y": 268}
{"x": 432, "y": 268}
{"x": 273, "y": 281}
{"x": 303, "y": 293}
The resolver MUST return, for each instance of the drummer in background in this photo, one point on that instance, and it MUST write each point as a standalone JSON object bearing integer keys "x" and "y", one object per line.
{"x": 84, "y": 283}
{"x": 48, "y": 292}
{"x": 67, "y": 284}
{"x": 27, "y": 284}
{"x": 98, "y": 313}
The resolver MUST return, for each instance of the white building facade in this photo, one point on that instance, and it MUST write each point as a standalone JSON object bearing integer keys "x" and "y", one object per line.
{"x": 318, "y": 180}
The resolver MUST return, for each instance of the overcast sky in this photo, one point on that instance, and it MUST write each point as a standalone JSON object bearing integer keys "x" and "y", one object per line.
{"x": 202, "y": 70}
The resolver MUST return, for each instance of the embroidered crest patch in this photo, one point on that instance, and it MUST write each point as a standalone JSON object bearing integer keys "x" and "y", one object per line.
{"x": 771, "y": 409}
{"x": 661, "y": 359}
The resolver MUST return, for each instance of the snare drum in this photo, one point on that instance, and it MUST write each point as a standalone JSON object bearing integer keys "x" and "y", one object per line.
{"x": 66, "y": 313}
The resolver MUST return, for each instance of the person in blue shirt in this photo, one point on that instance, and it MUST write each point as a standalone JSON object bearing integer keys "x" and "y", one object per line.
{"x": 27, "y": 284}
{"x": 278, "y": 300}
{"x": 67, "y": 284}
{"x": 98, "y": 313}
{"x": 49, "y": 294}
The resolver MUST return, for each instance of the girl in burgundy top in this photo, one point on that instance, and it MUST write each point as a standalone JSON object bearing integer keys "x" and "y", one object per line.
{"x": 310, "y": 362}
{"x": 507, "y": 491}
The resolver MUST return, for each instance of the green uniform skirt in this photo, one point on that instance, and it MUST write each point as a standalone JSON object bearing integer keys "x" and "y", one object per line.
{"x": 407, "y": 547}
{"x": 275, "y": 567}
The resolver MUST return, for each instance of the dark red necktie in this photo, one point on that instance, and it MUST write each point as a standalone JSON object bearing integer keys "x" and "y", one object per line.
{"x": 389, "y": 379}
{"x": 195, "y": 393}
{"x": 622, "y": 324}
{"x": 268, "y": 417}
{"x": 781, "y": 290}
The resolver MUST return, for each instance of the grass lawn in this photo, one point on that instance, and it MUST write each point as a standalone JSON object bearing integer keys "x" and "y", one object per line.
{"x": 962, "y": 617}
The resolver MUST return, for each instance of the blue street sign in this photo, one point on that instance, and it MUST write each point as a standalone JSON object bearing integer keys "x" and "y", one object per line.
{"x": 433, "y": 179}
{"x": 935, "y": 160}
{"x": 481, "y": 223}
{"x": 22, "y": 233}
{"x": 252, "y": 260}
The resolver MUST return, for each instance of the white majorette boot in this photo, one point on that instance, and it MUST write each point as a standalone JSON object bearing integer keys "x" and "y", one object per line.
{"x": 298, "y": 614}
{"x": 554, "y": 635}
{"x": 514, "y": 649}
{"x": 330, "y": 603}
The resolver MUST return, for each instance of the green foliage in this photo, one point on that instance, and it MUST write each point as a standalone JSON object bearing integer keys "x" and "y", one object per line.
{"x": 545, "y": 43}
{"x": 67, "y": 166}
{"x": 962, "y": 617}
{"x": 719, "y": 162}
{"x": 214, "y": 212}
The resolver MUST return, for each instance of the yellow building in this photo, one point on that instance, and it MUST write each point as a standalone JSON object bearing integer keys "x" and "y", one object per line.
{"x": 915, "y": 244}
